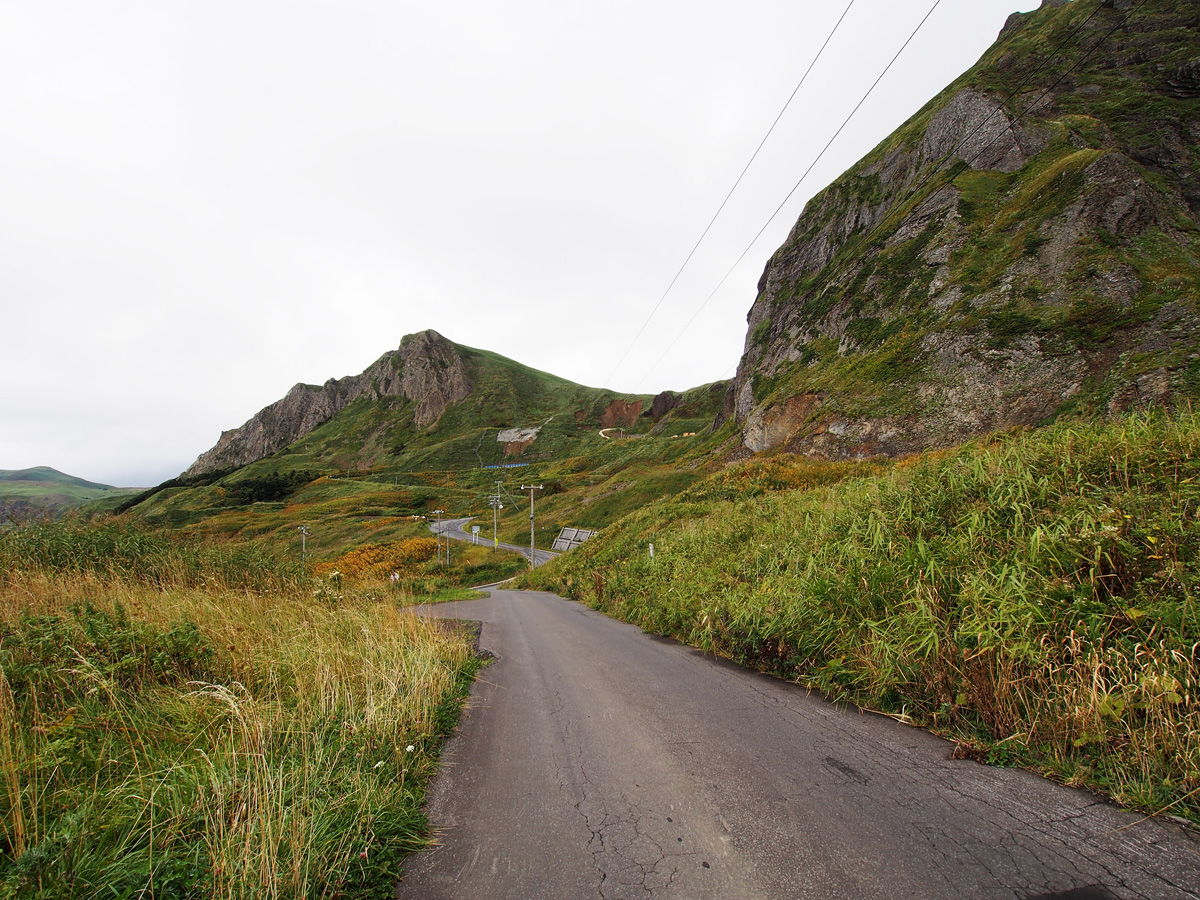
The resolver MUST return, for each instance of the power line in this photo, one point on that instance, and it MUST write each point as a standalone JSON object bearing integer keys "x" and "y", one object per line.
{"x": 875, "y": 231}
{"x": 708, "y": 227}
{"x": 1029, "y": 107}
{"x": 796, "y": 187}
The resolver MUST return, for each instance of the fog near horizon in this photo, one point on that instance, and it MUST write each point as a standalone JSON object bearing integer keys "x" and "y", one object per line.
{"x": 208, "y": 203}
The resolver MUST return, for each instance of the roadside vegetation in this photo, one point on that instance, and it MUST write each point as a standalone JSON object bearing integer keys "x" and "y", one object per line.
{"x": 181, "y": 718}
{"x": 1032, "y": 596}
{"x": 417, "y": 571}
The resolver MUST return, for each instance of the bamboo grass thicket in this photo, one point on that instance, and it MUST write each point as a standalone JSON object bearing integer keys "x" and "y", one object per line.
{"x": 176, "y": 733}
{"x": 1032, "y": 595}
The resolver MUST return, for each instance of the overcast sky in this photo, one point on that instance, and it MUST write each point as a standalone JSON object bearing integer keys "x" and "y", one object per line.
{"x": 204, "y": 203}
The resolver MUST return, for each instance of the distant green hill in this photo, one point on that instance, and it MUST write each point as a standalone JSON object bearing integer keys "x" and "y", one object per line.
{"x": 42, "y": 490}
{"x": 47, "y": 475}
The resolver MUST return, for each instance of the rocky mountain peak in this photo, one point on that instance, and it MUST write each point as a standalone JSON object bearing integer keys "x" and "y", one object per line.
{"x": 425, "y": 369}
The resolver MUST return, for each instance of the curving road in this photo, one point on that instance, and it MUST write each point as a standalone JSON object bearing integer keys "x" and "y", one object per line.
{"x": 595, "y": 761}
{"x": 453, "y": 528}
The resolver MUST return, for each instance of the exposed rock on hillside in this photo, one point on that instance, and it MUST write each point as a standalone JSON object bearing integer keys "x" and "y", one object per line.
{"x": 515, "y": 440}
{"x": 426, "y": 370}
{"x": 974, "y": 128}
{"x": 621, "y": 412}
{"x": 663, "y": 403}
{"x": 18, "y": 510}
{"x": 1024, "y": 245}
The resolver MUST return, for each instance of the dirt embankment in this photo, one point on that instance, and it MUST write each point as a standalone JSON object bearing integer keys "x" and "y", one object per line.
{"x": 621, "y": 412}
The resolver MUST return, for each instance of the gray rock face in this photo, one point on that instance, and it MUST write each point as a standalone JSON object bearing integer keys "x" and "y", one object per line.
{"x": 1184, "y": 81}
{"x": 975, "y": 128}
{"x": 425, "y": 369}
{"x": 663, "y": 404}
{"x": 990, "y": 266}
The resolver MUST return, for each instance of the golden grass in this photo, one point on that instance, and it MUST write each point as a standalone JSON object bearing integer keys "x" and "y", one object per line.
{"x": 293, "y": 768}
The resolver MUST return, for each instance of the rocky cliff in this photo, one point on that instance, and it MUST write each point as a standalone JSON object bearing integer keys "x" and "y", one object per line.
{"x": 1025, "y": 245}
{"x": 426, "y": 369}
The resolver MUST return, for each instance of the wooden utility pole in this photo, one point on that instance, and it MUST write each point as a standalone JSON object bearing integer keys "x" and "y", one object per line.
{"x": 496, "y": 507}
{"x": 532, "y": 550}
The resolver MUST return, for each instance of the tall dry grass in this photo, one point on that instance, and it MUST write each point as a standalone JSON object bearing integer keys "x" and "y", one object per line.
{"x": 175, "y": 737}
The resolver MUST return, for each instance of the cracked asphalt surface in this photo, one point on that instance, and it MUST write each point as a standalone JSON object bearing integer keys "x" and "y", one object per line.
{"x": 595, "y": 761}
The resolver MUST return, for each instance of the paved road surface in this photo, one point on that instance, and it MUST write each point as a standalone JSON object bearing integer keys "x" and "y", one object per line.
{"x": 454, "y": 528}
{"x": 598, "y": 762}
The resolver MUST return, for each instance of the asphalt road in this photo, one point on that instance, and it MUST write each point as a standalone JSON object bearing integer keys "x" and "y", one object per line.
{"x": 454, "y": 528}
{"x": 598, "y": 762}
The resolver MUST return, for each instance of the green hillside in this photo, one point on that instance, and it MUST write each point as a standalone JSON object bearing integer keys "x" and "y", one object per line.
{"x": 47, "y": 475}
{"x": 43, "y": 491}
{"x": 364, "y": 475}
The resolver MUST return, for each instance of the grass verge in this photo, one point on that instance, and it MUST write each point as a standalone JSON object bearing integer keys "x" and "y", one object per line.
{"x": 415, "y": 571}
{"x": 193, "y": 736}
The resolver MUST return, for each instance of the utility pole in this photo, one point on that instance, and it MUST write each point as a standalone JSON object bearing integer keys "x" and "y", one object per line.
{"x": 437, "y": 532}
{"x": 494, "y": 502}
{"x": 532, "y": 551}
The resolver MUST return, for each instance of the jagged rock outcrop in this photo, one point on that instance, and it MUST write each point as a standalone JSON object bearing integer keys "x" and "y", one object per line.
{"x": 663, "y": 403}
{"x": 975, "y": 128}
{"x": 1024, "y": 245}
{"x": 425, "y": 369}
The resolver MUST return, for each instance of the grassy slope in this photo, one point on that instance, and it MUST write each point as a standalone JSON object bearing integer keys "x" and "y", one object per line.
{"x": 1033, "y": 596}
{"x": 51, "y": 491}
{"x": 388, "y": 475}
{"x": 591, "y": 490}
{"x": 188, "y": 719}
{"x": 47, "y": 475}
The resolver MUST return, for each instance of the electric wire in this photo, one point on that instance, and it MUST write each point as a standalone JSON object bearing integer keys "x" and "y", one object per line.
{"x": 795, "y": 187}
{"x": 745, "y": 169}
{"x": 938, "y": 169}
